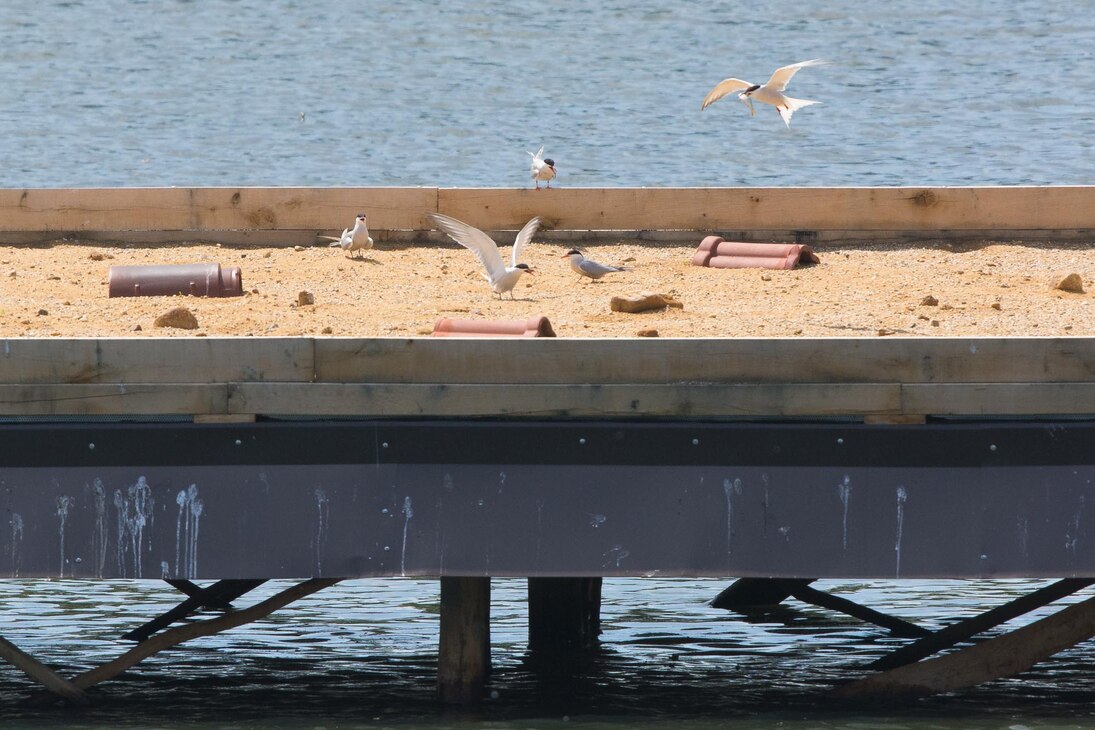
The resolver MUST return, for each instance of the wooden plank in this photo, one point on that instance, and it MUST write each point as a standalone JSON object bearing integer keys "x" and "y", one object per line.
{"x": 904, "y": 419}
{"x": 987, "y": 399}
{"x": 1002, "y": 656}
{"x": 238, "y": 402}
{"x": 224, "y": 418}
{"x": 155, "y": 360}
{"x": 866, "y": 238}
{"x": 948, "y": 208}
{"x": 578, "y": 400}
{"x": 761, "y": 360}
{"x": 49, "y": 399}
{"x": 943, "y": 209}
{"x": 196, "y": 209}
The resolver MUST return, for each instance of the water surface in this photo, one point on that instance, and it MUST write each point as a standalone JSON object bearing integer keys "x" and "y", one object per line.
{"x": 364, "y": 653}
{"x": 286, "y": 92}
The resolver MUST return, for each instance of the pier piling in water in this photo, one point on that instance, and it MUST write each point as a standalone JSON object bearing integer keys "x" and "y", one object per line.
{"x": 564, "y": 614}
{"x": 464, "y": 653}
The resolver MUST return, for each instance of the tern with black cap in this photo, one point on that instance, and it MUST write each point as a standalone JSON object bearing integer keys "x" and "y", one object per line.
{"x": 502, "y": 278}
{"x": 356, "y": 239}
{"x": 543, "y": 168}
{"x": 770, "y": 92}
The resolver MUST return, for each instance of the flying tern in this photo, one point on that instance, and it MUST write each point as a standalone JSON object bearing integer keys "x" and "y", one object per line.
{"x": 771, "y": 92}
{"x": 588, "y": 267}
{"x": 357, "y": 239}
{"x": 502, "y": 278}
{"x": 542, "y": 168}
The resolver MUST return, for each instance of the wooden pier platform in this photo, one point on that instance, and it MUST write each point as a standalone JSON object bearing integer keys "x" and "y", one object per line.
{"x": 236, "y": 458}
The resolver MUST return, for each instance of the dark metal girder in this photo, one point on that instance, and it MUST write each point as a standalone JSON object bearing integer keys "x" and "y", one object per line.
{"x": 350, "y": 499}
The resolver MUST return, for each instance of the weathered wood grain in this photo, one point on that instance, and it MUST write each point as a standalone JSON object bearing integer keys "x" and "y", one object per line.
{"x": 197, "y": 209}
{"x": 906, "y": 210}
{"x": 50, "y": 399}
{"x": 155, "y": 360}
{"x": 772, "y": 360}
{"x": 948, "y": 208}
{"x": 879, "y": 379}
{"x": 384, "y": 400}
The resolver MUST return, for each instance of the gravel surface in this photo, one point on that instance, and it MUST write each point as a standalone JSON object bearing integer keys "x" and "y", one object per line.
{"x": 400, "y": 290}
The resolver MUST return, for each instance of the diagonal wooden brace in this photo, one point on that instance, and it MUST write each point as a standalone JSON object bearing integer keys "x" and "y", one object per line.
{"x": 42, "y": 674}
{"x": 947, "y": 637}
{"x": 220, "y": 594}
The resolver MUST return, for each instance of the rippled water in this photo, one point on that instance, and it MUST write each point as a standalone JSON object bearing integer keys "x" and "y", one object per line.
{"x": 364, "y": 653}
{"x": 287, "y": 92}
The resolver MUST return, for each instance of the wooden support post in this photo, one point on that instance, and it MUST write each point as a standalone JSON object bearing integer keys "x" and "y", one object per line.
{"x": 1002, "y": 656}
{"x": 897, "y": 626}
{"x": 748, "y": 593}
{"x": 42, "y": 674}
{"x": 563, "y": 613}
{"x": 464, "y": 653}
{"x": 221, "y": 593}
{"x": 962, "y": 630}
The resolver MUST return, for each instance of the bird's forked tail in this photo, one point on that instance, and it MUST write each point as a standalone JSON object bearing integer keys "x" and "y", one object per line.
{"x": 793, "y": 105}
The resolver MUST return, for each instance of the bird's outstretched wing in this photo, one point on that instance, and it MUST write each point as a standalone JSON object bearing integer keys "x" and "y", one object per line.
{"x": 782, "y": 76}
{"x": 470, "y": 237}
{"x": 724, "y": 87}
{"x": 539, "y": 153}
{"x": 523, "y": 237}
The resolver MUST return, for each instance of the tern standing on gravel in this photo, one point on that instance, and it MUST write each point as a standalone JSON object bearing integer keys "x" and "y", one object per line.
{"x": 357, "y": 239}
{"x": 543, "y": 169}
{"x": 502, "y": 278}
{"x": 588, "y": 267}
{"x": 771, "y": 92}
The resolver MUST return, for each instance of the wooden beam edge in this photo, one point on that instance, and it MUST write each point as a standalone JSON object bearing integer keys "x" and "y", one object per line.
{"x": 241, "y": 401}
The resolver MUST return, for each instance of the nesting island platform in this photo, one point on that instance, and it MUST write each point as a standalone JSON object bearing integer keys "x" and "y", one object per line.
{"x": 921, "y": 403}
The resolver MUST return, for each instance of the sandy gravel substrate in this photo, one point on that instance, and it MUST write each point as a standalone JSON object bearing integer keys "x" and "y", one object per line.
{"x": 988, "y": 289}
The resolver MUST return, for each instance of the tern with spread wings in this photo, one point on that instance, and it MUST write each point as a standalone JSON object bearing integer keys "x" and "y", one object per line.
{"x": 502, "y": 278}
{"x": 771, "y": 92}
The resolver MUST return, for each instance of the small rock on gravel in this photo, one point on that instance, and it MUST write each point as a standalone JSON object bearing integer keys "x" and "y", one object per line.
{"x": 179, "y": 318}
{"x": 1072, "y": 283}
{"x": 929, "y": 301}
{"x": 305, "y": 298}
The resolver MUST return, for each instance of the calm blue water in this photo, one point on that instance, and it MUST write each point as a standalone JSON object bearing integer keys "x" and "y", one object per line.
{"x": 212, "y": 92}
{"x": 283, "y": 92}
